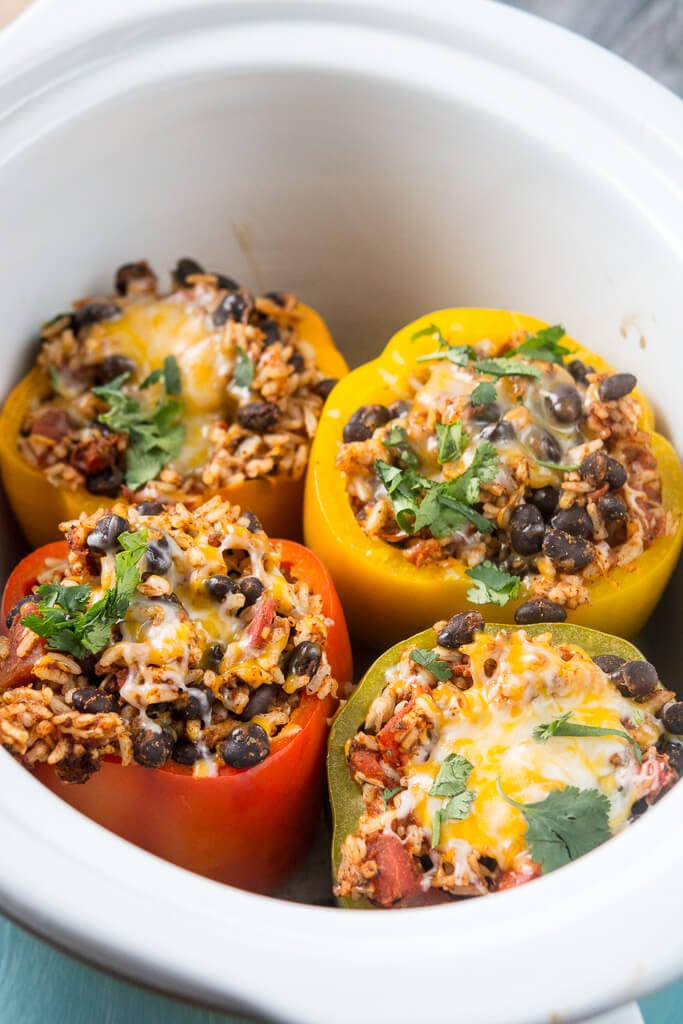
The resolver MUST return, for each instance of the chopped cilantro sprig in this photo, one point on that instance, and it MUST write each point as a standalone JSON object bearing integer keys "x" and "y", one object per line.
{"x": 566, "y": 824}
{"x": 64, "y": 618}
{"x": 563, "y": 727}
{"x": 440, "y": 506}
{"x": 430, "y": 660}
{"x": 545, "y": 345}
{"x": 451, "y": 782}
{"x": 491, "y": 585}
{"x": 156, "y": 435}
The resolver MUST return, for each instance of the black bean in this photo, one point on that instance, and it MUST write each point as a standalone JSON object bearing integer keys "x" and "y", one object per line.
{"x": 185, "y": 752}
{"x": 305, "y": 659}
{"x": 213, "y": 655}
{"x": 617, "y": 386}
{"x": 279, "y": 298}
{"x": 365, "y": 421}
{"x": 158, "y": 557}
{"x": 297, "y": 362}
{"x": 599, "y": 468}
{"x": 672, "y": 717}
{"x": 90, "y": 700}
{"x": 108, "y": 482}
{"x": 574, "y": 520}
{"x": 113, "y": 366}
{"x": 637, "y": 679}
{"x": 324, "y": 386}
{"x": 226, "y": 283}
{"x": 16, "y": 608}
{"x": 131, "y": 274}
{"x": 580, "y": 371}
{"x": 545, "y": 499}
{"x": 271, "y": 331}
{"x": 219, "y": 586}
{"x": 252, "y": 588}
{"x": 615, "y": 517}
{"x": 184, "y": 269}
{"x": 152, "y": 748}
{"x": 503, "y": 430}
{"x": 489, "y": 863}
{"x": 259, "y": 416}
{"x": 260, "y": 700}
{"x": 162, "y": 707}
{"x": 609, "y": 663}
{"x": 401, "y": 407}
{"x": 567, "y": 553}
{"x": 638, "y": 809}
{"x": 252, "y": 522}
{"x": 543, "y": 444}
{"x": 105, "y": 536}
{"x": 233, "y": 306}
{"x": 489, "y": 412}
{"x": 149, "y": 508}
{"x": 527, "y": 529}
{"x": 192, "y": 704}
{"x": 460, "y": 629}
{"x": 674, "y": 751}
{"x": 564, "y": 403}
{"x": 246, "y": 746}
{"x": 92, "y": 313}
{"x": 540, "y": 609}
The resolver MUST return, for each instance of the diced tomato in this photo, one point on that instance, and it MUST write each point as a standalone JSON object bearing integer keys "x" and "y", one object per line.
{"x": 397, "y": 877}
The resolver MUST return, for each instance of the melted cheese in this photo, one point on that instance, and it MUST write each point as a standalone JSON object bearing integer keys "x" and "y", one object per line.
{"x": 149, "y": 332}
{"x": 518, "y": 684}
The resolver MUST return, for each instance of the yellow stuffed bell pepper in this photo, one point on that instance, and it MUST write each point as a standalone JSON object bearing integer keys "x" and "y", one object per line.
{"x": 484, "y": 458}
{"x": 160, "y": 397}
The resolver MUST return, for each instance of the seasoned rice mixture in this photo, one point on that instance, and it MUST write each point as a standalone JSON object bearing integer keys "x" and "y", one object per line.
{"x": 238, "y": 399}
{"x": 168, "y": 635}
{"x": 517, "y": 457}
{"x": 492, "y": 759}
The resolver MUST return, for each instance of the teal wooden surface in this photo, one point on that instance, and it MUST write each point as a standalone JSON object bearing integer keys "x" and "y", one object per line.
{"x": 38, "y": 984}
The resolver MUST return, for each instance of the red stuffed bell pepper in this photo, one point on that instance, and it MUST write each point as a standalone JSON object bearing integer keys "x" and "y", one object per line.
{"x": 172, "y": 677}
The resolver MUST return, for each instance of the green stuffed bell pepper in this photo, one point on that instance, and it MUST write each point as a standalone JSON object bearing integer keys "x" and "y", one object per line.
{"x": 473, "y": 758}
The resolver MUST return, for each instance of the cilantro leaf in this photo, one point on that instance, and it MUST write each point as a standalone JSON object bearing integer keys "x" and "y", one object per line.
{"x": 54, "y": 378}
{"x": 484, "y": 393}
{"x": 389, "y": 794}
{"x": 402, "y": 486}
{"x": 491, "y": 585}
{"x": 243, "y": 374}
{"x": 506, "y": 367}
{"x": 155, "y": 435}
{"x": 456, "y": 512}
{"x": 452, "y": 776}
{"x": 398, "y": 438}
{"x": 452, "y": 441}
{"x": 563, "y": 727}
{"x": 482, "y": 470}
{"x": 431, "y": 661}
{"x": 560, "y": 467}
{"x": 451, "y": 782}
{"x": 459, "y": 355}
{"x": 545, "y": 345}
{"x": 64, "y": 619}
{"x": 431, "y": 331}
{"x": 172, "y": 375}
{"x": 566, "y": 824}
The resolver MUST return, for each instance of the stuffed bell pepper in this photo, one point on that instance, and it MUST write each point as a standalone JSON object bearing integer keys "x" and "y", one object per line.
{"x": 485, "y": 458}
{"x": 171, "y": 674}
{"x": 169, "y": 397}
{"x": 474, "y": 758}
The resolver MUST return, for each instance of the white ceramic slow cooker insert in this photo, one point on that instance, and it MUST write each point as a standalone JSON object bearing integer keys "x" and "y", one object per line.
{"x": 380, "y": 159}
